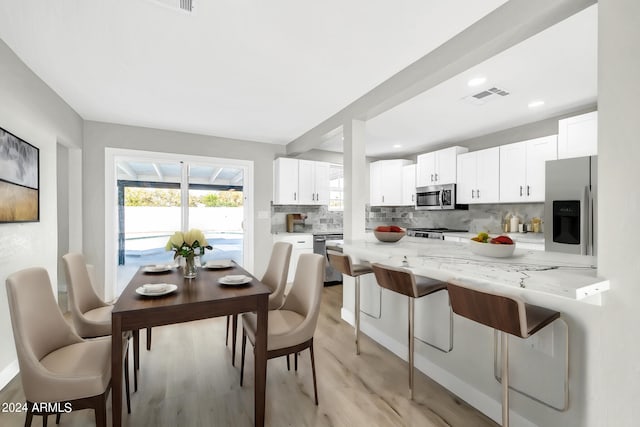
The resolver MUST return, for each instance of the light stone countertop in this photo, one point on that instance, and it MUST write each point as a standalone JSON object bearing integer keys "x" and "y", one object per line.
{"x": 551, "y": 273}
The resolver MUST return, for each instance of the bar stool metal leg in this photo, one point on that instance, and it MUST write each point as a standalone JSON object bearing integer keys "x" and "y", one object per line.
{"x": 357, "y": 310}
{"x": 504, "y": 349}
{"x": 411, "y": 344}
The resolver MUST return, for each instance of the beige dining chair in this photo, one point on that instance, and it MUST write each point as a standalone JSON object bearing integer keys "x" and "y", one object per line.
{"x": 91, "y": 315}
{"x": 276, "y": 279}
{"x": 56, "y": 365}
{"x": 292, "y": 326}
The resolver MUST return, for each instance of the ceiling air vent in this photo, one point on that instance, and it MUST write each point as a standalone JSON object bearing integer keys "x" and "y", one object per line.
{"x": 485, "y": 96}
{"x": 182, "y": 5}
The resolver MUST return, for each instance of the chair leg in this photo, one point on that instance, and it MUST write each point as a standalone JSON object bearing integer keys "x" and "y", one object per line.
{"x": 357, "y": 314}
{"x": 226, "y": 341}
{"x": 504, "y": 350}
{"x": 244, "y": 346}
{"x": 136, "y": 358}
{"x": 411, "y": 343}
{"x": 234, "y": 331}
{"x": 126, "y": 380}
{"x": 29, "y": 418}
{"x": 288, "y": 363}
{"x": 45, "y": 418}
{"x": 101, "y": 412}
{"x": 58, "y": 415}
{"x": 148, "y": 339}
{"x": 313, "y": 370}
{"x": 295, "y": 362}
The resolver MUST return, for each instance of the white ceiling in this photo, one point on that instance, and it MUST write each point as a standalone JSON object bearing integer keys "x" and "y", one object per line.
{"x": 558, "y": 65}
{"x": 248, "y": 69}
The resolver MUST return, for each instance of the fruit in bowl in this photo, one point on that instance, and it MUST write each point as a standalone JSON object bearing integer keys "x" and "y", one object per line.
{"x": 498, "y": 247}
{"x": 389, "y": 233}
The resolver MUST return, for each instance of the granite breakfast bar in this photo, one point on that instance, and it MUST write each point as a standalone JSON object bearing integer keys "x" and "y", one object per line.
{"x": 540, "y": 366}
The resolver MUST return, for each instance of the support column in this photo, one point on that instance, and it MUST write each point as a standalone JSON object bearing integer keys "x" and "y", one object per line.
{"x": 356, "y": 180}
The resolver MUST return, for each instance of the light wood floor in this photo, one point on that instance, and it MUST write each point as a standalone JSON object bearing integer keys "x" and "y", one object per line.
{"x": 187, "y": 380}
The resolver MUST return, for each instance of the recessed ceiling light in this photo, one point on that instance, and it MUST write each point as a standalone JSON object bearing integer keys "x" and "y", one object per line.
{"x": 535, "y": 104}
{"x": 397, "y": 145}
{"x": 477, "y": 81}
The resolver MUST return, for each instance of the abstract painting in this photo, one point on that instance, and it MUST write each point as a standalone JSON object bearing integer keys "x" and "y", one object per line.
{"x": 19, "y": 179}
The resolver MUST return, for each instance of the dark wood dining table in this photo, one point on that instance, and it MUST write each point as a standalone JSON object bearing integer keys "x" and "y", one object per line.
{"x": 194, "y": 299}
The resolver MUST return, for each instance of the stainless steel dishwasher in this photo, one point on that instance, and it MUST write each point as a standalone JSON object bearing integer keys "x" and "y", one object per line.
{"x": 320, "y": 240}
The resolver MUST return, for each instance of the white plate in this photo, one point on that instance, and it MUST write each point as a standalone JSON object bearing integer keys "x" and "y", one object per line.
{"x": 160, "y": 268}
{"x": 225, "y": 281}
{"x": 219, "y": 264}
{"x": 170, "y": 288}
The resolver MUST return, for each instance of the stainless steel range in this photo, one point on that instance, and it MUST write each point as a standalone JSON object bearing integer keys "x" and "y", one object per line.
{"x": 432, "y": 233}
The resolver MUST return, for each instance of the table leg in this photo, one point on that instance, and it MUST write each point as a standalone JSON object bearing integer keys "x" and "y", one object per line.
{"x": 116, "y": 370}
{"x": 234, "y": 336}
{"x": 260, "y": 358}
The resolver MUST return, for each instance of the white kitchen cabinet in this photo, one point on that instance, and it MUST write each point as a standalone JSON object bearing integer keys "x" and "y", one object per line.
{"x": 300, "y": 182}
{"x": 386, "y": 182}
{"x": 313, "y": 182}
{"x": 285, "y": 181}
{"x": 578, "y": 136}
{"x": 438, "y": 167}
{"x": 302, "y": 243}
{"x": 479, "y": 177}
{"x": 409, "y": 185}
{"x": 522, "y": 169}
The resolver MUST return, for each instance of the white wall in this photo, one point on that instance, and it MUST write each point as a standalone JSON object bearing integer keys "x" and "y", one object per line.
{"x": 32, "y": 111}
{"x": 98, "y": 136}
{"x": 619, "y": 199}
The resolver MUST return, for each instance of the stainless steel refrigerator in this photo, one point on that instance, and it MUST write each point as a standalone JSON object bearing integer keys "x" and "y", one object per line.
{"x": 570, "y": 205}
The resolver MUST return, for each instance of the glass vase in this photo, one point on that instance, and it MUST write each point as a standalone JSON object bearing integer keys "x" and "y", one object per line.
{"x": 190, "y": 269}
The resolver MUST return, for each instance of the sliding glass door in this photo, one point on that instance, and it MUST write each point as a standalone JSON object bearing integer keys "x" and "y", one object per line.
{"x": 156, "y": 197}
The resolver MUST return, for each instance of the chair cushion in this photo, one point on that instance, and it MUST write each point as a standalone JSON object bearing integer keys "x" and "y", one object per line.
{"x": 76, "y": 371}
{"x": 97, "y": 322}
{"x": 426, "y": 286}
{"x": 282, "y": 331}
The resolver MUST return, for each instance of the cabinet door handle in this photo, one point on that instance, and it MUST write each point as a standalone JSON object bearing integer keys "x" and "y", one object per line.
{"x": 478, "y": 194}
{"x": 413, "y": 196}
{"x": 436, "y": 177}
{"x": 472, "y": 193}
{"x": 521, "y": 191}
{"x": 527, "y": 190}
{"x": 294, "y": 196}
{"x": 382, "y": 199}
{"x": 431, "y": 177}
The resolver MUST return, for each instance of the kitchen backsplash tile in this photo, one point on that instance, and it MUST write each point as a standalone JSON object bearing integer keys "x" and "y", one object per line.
{"x": 478, "y": 218}
{"x": 319, "y": 219}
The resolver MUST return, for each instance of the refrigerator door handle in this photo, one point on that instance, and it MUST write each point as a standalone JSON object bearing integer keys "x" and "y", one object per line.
{"x": 590, "y": 228}
{"x": 586, "y": 221}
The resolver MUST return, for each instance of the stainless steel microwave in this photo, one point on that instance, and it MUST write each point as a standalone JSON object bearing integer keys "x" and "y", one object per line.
{"x": 437, "y": 198}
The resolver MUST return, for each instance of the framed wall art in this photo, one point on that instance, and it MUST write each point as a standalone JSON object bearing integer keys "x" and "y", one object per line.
{"x": 19, "y": 179}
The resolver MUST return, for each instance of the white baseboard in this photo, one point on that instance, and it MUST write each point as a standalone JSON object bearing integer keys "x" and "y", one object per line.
{"x": 474, "y": 397}
{"x": 8, "y": 373}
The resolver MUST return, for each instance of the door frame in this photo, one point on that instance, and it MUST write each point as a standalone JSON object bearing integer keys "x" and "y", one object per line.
{"x": 112, "y": 155}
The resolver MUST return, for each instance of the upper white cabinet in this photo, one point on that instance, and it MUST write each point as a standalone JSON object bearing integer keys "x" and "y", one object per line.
{"x": 313, "y": 182}
{"x": 409, "y": 185}
{"x": 300, "y": 182}
{"x": 438, "y": 167}
{"x": 578, "y": 136}
{"x": 522, "y": 169}
{"x": 479, "y": 177}
{"x": 386, "y": 182}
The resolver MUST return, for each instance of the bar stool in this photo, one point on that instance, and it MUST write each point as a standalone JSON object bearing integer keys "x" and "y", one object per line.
{"x": 403, "y": 281}
{"x": 507, "y": 314}
{"x": 344, "y": 265}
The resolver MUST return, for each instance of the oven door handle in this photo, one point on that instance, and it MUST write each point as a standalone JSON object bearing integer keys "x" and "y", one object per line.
{"x": 441, "y": 199}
